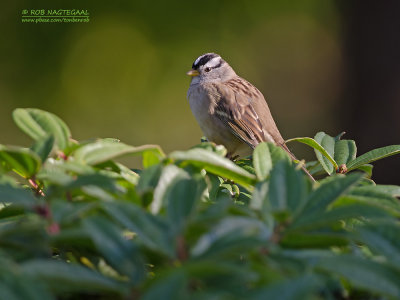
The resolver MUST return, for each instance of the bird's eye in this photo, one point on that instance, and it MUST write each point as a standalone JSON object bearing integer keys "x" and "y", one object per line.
{"x": 207, "y": 69}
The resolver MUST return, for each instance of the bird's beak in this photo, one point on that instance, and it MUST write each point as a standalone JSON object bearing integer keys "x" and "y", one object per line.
{"x": 193, "y": 73}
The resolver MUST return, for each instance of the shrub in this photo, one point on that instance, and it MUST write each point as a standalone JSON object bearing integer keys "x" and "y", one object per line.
{"x": 75, "y": 223}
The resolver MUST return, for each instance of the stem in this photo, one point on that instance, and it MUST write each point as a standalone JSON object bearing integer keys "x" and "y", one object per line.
{"x": 181, "y": 248}
{"x": 35, "y": 186}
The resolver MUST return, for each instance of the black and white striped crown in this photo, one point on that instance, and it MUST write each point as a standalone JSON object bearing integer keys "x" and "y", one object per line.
{"x": 212, "y": 59}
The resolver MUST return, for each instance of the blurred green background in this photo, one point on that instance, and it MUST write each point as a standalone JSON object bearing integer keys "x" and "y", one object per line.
{"x": 322, "y": 65}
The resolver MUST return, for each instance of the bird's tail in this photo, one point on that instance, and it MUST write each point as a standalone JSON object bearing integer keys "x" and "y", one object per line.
{"x": 284, "y": 147}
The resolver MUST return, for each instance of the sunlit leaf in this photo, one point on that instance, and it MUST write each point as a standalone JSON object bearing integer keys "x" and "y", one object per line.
{"x": 262, "y": 161}
{"x": 373, "y": 155}
{"x": 43, "y": 147}
{"x": 215, "y": 164}
{"x": 23, "y": 161}
{"x": 151, "y": 230}
{"x": 323, "y": 155}
{"x": 122, "y": 254}
{"x": 38, "y": 124}
{"x": 345, "y": 151}
{"x": 181, "y": 198}
{"x": 230, "y": 234}
{"x": 287, "y": 188}
{"x": 324, "y": 195}
{"x": 103, "y": 150}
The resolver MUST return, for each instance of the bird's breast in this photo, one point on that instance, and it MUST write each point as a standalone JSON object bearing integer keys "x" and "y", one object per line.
{"x": 201, "y": 105}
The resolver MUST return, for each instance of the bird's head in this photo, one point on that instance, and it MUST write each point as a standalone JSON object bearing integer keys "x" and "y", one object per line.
{"x": 210, "y": 67}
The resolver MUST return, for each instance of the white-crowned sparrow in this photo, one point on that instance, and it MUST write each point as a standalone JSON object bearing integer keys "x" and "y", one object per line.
{"x": 230, "y": 110}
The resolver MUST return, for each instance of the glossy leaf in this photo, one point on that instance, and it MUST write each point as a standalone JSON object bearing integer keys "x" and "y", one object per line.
{"x": 181, "y": 199}
{"x": 340, "y": 213}
{"x": 328, "y": 143}
{"x": 168, "y": 175}
{"x": 323, "y": 155}
{"x": 103, "y": 150}
{"x": 43, "y": 147}
{"x": 382, "y": 238}
{"x": 122, "y": 254}
{"x": 151, "y": 230}
{"x": 373, "y": 196}
{"x": 23, "y": 161}
{"x": 324, "y": 195}
{"x": 262, "y": 161}
{"x": 365, "y": 274}
{"x": 17, "y": 196}
{"x": 287, "y": 188}
{"x": 215, "y": 164}
{"x": 345, "y": 151}
{"x": 38, "y": 124}
{"x": 373, "y": 155}
{"x": 230, "y": 234}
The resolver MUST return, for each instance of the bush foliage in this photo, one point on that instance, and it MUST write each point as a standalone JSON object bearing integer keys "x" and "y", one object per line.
{"x": 75, "y": 223}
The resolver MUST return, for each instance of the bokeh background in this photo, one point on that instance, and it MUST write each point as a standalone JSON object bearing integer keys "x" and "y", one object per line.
{"x": 323, "y": 65}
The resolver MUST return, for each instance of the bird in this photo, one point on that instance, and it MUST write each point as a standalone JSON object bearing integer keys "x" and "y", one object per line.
{"x": 230, "y": 110}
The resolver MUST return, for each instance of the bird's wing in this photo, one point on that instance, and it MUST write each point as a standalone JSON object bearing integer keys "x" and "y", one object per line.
{"x": 239, "y": 110}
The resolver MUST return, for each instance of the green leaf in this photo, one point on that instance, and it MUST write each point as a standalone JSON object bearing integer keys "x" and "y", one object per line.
{"x": 364, "y": 274}
{"x": 229, "y": 235}
{"x": 18, "y": 286}
{"x": 298, "y": 288}
{"x": 262, "y": 161}
{"x": 373, "y": 195}
{"x": 168, "y": 175}
{"x": 120, "y": 253}
{"x": 23, "y": 161}
{"x": 61, "y": 277}
{"x": 38, "y": 124}
{"x": 392, "y": 190}
{"x": 383, "y": 238}
{"x": 287, "y": 188}
{"x": 128, "y": 174}
{"x": 328, "y": 143}
{"x": 325, "y": 239}
{"x": 99, "y": 180}
{"x": 103, "y": 150}
{"x": 181, "y": 199}
{"x": 17, "y": 196}
{"x": 150, "y": 158}
{"x": 215, "y": 164}
{"x": 151, "y": 230}
{"x": 212, "y": 147}
{"x": 277, "y": 153}
{"x": 367, "y": 168}
{"x": 43, "y": 147}
{"x": 319, "y": 200}
{"x": 259, "y": 202}
{"x": 345, "y": 151}
{"x": 323, "y": 155}
{"x": 213, "y": 184}
{"x": 149, "y": 178}
{"x": 172, "y": 285}
{"x": 373, "y": 155}
{"x": 331, "y": 218}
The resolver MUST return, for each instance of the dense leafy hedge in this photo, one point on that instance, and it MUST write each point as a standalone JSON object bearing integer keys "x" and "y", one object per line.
{"x": 74, "y": 223}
